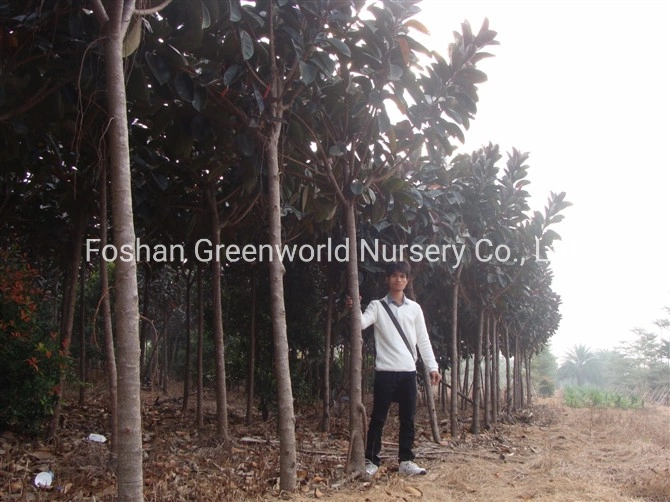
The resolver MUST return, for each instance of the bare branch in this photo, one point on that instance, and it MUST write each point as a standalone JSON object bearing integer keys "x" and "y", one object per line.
{"x": 153, "y": 10}
{"x": 244, "y": 213}
{"x": 99, "y": 12}
{"x": 326, "y": 161}
{"x": 36, "y": 98}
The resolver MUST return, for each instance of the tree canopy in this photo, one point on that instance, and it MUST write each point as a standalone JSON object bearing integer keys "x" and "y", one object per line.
{"x": 250, "y": 124}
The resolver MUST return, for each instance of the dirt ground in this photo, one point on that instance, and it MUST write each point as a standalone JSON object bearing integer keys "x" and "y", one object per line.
{"x": 549, "y": 452}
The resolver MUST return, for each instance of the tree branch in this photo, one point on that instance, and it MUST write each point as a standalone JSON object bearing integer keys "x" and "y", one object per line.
{"x": 326, "y": 160}
{"x": 245, "y": 212}
{"x": 152, "y": 10}
{"x": 39, "y": 96}
{"x": 99, "y": 12}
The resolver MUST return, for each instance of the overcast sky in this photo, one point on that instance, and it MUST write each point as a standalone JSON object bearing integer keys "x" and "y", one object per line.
{"x": 584, "y": 88}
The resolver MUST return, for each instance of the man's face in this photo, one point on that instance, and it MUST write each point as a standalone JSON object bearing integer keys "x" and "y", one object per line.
{"x": 397, "y": 282}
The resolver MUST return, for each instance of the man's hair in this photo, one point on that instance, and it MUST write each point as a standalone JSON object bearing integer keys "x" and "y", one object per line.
{"x": 394, "y": 267}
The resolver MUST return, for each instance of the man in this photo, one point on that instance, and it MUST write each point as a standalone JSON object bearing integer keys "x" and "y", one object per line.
{"x": 395, "y": 367}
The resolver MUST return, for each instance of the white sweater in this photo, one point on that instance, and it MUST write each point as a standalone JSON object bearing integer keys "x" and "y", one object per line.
{"x": 392, "y": 353}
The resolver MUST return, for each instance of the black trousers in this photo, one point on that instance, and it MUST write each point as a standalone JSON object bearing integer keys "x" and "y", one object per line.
{"x": 392, "y": 386}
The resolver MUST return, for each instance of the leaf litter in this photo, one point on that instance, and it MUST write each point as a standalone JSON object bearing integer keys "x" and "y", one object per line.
{"x": 550, "y": 452}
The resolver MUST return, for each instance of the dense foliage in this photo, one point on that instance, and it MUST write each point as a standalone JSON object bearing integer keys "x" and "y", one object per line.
{"x": 248, "y": 123}
{"x": 30, "y": 355}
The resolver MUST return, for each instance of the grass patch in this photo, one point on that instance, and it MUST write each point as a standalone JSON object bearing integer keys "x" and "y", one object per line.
{"x": 589, "y": 397}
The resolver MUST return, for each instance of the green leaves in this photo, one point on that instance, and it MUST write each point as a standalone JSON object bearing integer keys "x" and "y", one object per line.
{"x": 308, "y": 73}
{"x": 133, "y": 37}
{"x": 357, "y": 187}
{"x": 231, "y": 74}
{"x": 340, "y": 46}
{"x": 468, "y": 76}
{"x": 159, "y": 68}
{"x": 247, "y": 45}
{"x": 184, "y": 87}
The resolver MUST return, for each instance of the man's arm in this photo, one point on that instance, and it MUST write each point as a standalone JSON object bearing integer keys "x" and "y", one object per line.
{"x": 369, "y": 317}
{"x": 425, "y": 347}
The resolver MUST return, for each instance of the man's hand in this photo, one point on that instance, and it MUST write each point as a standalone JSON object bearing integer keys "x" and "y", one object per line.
{"x": 435, "y": 377}
{"x": 349, "y": 302}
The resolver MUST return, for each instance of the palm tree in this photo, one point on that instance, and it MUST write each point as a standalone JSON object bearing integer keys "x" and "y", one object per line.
{"x": 580, "y": 365}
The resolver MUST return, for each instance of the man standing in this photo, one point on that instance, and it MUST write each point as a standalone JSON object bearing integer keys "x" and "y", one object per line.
{"x": 395, "y": 367}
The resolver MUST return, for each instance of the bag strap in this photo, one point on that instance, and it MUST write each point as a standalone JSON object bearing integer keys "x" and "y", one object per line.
{"x": 397, "y": 325}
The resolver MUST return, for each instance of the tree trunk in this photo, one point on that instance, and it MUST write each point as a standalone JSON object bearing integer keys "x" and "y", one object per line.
{"x": 106, "y": 307}
{"x": 129, "y": 470}
{"x": 145, "y": 365}
{"x": 67, "y": 314}
{"x": 430, "y": 401}
{"x": 518, "y": 384}
{"x": 201, "y": 334}
{"x": 487, "y": 371}
{"x": 187, "y": 355}
{"x": 495, "y": 367}
{"x": 508, "y": 376}
{"x": 286, "y": 425}
{"x": 476, "y": 371}
{"x": 466, "y": 382}
{"x": 453, "y": 408}
{"x": 165, "y": 381}
{"x": 357, "y": 415}
{"x": 325, "y": 422}
{"x": 529, "y": 387}
{"x": 251, "y": 362}
{"x": 430, "y": 397}
{"x": 217, "y": 312}
{"x": 82, "y": 336}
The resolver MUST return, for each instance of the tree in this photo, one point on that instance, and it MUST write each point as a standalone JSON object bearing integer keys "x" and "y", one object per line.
{"x": 580, "y": 365}
{"x": 545, "y": 367}
{"x": 114, "y": 19}
{"x": 357, "y": 161}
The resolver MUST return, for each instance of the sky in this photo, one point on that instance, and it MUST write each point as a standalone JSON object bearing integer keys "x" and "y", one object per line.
{"x": 584, "y": 87}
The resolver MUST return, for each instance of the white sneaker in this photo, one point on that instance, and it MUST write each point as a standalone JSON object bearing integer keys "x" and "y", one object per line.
{"x": 409, "y": 468}
{"x": 370, "y": 468}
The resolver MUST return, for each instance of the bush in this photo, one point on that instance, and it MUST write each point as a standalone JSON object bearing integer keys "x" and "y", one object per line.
{"x": 30, "y": 359}
{"x": 587, "y": 397}
{"x": 546, "y": 388}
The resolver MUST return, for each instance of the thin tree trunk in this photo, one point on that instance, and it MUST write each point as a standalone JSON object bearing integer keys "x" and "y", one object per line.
{"x": 187, "y": 355}
{"x": 106, "y": 306}
{"x": 144, "y": 329}
{"x": 515, "y": 375}
{"x": 455, "y": 361}
{"x": 165, "y": 381}
{"x": 508, "y": 376}
{"x": 466, "y": 382}
{"x": 217, "y": 312}
{"x": 495, "y": 366}
{"x": 430, "y": 401}
{"x": 487, "y": 371}
{"x": 476, "y": 379}
{"x": 251, "y": 364}
{"x": 172, "y": 353}
{"x": 129, "y": 470}
{"x": 200, "y": 412}
{"x": 518, "y": 382}
{"x": 67, "y": 314}
{"x": 430, "y": 397}
{"x": 529, "y": 387}
{"x": 286, "y": 422}
{"x": 357, "y": 415}
{"x": 82, "y": 336}
{"x": 325, "y": 423}
{"x": 443, "y": 391}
